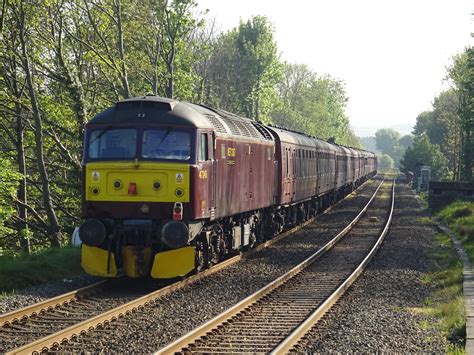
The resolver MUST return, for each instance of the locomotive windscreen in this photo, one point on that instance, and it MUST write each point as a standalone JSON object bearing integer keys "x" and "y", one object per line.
{"x": 113, "y": 143}
{"x": 166, "y": 144}
{"x": 157, "y": 143}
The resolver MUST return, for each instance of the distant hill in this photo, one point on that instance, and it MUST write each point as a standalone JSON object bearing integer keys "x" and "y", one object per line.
{"x": 403, "y": 129}
{"x": 368, "y": 143}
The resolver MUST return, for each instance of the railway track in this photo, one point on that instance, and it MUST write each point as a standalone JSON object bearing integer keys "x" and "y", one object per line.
{"x": 49, "y": 323}
{"x": 273, "y": 319}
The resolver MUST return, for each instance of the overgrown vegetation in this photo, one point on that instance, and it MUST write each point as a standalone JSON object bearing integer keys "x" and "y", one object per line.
{"x": 63, "y": 61}
{"x": 23, "y": 270}
{"x": 459, "y": 216}
{"x": 447, "y": 303}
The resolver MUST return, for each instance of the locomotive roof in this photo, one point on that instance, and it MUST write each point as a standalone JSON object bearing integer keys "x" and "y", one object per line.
{"x": 151, "y": 109}
{"x": 154, "y": 109}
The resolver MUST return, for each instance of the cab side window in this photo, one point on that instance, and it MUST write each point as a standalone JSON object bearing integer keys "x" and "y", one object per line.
{"x": 202, "y": 151}
{"x": 211, "y": 145}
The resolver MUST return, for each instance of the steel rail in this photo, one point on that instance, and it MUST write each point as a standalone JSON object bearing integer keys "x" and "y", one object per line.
{"x": 51, "y": 303}
{"x": 287, "y": 344}
{"x": 55, "y": 339}
{"x": 197, "y": 333}
{"x": 43, "y": 344}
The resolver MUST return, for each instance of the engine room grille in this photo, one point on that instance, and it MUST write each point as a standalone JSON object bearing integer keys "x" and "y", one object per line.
{"x": 229, "y": 123}
{"x": 242, "y": 128}
{"x": 216, "y": 123}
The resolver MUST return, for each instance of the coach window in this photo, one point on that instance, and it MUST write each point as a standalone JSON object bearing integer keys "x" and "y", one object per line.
{"x": 202, "y": 152}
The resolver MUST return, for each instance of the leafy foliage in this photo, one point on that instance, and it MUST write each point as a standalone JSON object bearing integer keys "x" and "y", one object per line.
{"x": 450, "y": 125}
{"x": 313, "y": 104}
{"x": 9, "y": 181}
{"x": 386, "y": 140}
{"x": 390, "y": 143}
{"x": 423, "y": 151}
{"x": 385, "y": 162}
{"x": 63, "y": 61}
{"x": 462, "y": 75}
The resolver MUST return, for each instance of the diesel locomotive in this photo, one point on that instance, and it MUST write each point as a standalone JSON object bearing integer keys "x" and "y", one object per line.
{"x": 171, "y": 187}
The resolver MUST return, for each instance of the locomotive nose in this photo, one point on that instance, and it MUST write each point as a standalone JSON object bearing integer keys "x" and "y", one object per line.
{"x": 175, "y": 234}
{"x": 92, "y": 232}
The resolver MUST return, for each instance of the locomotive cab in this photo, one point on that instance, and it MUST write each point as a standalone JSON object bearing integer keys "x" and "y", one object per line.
{"x": 139, "y": 160}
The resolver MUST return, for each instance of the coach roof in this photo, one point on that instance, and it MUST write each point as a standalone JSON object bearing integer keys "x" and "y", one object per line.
{"x": 297, "y": 138}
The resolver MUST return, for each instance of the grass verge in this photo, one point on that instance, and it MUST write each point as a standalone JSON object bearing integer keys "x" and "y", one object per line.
{"x": 447, "y": 303}
{"x": 20, "y": 271}
{"x": 459, "y": 216}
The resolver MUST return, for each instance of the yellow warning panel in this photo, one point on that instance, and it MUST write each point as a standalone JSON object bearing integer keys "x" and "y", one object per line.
{"x": 173, "y": 263}
{"x": 94, "y": 261}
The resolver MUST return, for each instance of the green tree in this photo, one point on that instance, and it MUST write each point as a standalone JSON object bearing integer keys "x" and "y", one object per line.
{"x": 313, "y": 104}
{"x": 406, "y": 141}
{"x": 385, "y": 162}
{"x": 443, "y": 127}
{"x": 423, "y": 151}
{"x": 244, "y": 69}
{"x": 9, "y": 181}
{"x": 387, "y": 140}
{"x": 462, "y": 75}
{"x": 258, "y": 61}
{"x": 428, "y": 123}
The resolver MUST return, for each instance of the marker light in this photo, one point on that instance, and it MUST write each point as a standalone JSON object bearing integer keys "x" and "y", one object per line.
{"x": 132, "y": 188}
{"x": 178, "y": 211}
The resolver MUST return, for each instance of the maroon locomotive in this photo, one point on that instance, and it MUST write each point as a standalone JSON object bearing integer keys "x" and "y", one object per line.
{"x": 171, "y": 186}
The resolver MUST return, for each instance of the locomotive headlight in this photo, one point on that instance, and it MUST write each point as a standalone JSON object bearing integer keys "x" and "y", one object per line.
{"x": 117, "y": 184}
{"x": 95, "y": 190}
{"x": 156, "y": 185}
{"x": 145, "y": 208}
{"x": 179, "y": 192}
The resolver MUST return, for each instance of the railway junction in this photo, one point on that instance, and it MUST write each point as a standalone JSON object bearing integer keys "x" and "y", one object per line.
{"x": 277, "y": 298}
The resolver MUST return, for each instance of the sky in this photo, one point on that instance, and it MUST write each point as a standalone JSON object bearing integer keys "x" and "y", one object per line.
{"x": 391, "y": 54}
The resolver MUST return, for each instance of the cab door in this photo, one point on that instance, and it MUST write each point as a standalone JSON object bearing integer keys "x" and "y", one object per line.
{"x": 203, "y": 196}
{"x": 211, "y": 139}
